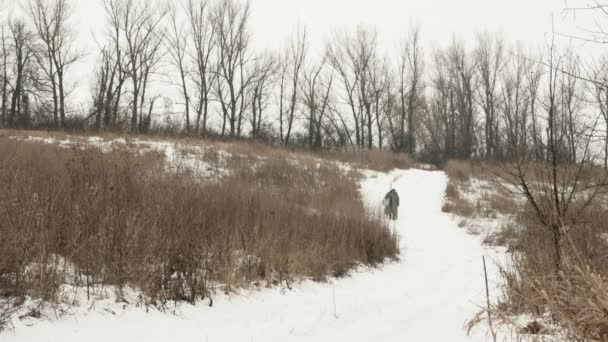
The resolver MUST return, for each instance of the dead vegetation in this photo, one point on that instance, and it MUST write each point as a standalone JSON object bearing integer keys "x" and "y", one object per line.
{"x": 373, "y": 159}
{"x": 365, "y": 159}
{"x": 116, "y": 219}
{"x": 459, "y": 173}
{"x": 459, "y": 170}
{"x": 563, "y": 301}
{"x": 476, "y": 178}
{"x": 456, "y": 204}
{"x": 572, "y": 298}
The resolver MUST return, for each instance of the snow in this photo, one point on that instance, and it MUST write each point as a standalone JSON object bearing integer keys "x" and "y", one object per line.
{"x": 487, "y": 221}
{"x": 178, "y": 157}
{"x": 207, "y": 162}
{"x": 427, "y": 296}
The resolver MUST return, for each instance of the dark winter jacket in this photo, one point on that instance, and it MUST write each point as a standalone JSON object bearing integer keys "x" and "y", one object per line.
{"x": 392, "y": 198}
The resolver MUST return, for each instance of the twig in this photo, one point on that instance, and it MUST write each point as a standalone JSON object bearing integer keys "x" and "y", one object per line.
{"x": 485, "y": 274}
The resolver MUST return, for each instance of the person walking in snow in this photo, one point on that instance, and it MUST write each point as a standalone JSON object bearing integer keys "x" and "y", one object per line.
{"x": 391, "y": 204}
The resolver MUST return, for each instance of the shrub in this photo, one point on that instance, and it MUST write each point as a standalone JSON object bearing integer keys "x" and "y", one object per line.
{"x": 459, "y": 170}
{"x": 455, "y": 203}
{"x": 95, "y": 219}
{"x": 573, "y": 298}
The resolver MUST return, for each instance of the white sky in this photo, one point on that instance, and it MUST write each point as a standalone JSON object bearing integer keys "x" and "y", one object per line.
{"x": 273, "y": 21}
{"x": 525, "y": 20}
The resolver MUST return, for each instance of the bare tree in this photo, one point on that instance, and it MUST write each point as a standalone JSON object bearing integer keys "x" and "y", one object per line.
{"x": 4, "y": 40}
{"x": 572, "y": 98}
{"x": 365, "y": 58}
{"x": 515, "y": 104}
{"x": 203, "y": 44}
{"x": 381, "y": 97}
{"x": 438, "y": 122}
{"x": 410, "y": 89}
{"x": 261, "y": 88}
{"x": 230, "y": 20}
{"x": 52, "y": 23}
{"x": 177, "y": 46}
{"x": 108, "y": 86}
{"x": 555, "y": 187}
{"x": 114, "y": 49}
{"x": 339, "y": 52}
{"x": 316, "y": 99}
{"x": 22, "y": 39}
{"x": 552, "y": 216}
{"x": 452, "y": 102}
{"x": 600, "y": 92}
{"x": 102, "y": 82}
{"x": 463, "y": 86}
{"x": 292, "y": 65}
{"x": 353, "y": 57}
{"x": 490, "y": 61}
{"x": 534, "y": 74}
{"x": 137, "y": 34}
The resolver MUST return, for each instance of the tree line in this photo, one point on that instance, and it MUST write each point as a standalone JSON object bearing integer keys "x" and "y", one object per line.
{"x": 491, "y": 100}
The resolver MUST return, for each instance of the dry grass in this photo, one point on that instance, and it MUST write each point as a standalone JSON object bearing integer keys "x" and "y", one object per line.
{"x": 459, "y": 173}
{"x": 121, "y": 220}
{"x": 372, "y": 160}
{"x": 455, "y": 203}
{"x": 502, "y": 202}
{"x": 459, "y": 170}
{"x": 579, "y": 300}
{"x": 494, "y": 198}
{"x": 571, "y": 303}
{"x": 585, "y": 247}
{"x": 507, "y": 236}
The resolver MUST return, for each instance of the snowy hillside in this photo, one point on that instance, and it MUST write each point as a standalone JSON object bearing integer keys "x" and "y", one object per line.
{"x": 427, "y": 296}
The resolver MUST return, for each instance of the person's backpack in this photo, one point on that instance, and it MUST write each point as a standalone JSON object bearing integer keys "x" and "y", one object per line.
{"x": 386, "y": 202}
{"x": 387, "y": 207}
{"x": 396, "y": 197}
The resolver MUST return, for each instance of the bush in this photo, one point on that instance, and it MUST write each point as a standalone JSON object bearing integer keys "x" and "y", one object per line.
{"x": 459, "y": 170}
{"x": 455, "y": 203}
{"x": 95, "y": 219}
{"x": 373, "y": 159}
{"x": 571, "y": 298}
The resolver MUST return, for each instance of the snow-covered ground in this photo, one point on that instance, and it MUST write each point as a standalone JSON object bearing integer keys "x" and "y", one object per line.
{"x": 427, "y": 296}
{"x": 487, "y": 220}
{"x": 204, "y": 163}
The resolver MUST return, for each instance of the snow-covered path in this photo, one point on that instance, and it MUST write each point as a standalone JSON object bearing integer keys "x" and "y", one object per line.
{"x": 427, "y": 296}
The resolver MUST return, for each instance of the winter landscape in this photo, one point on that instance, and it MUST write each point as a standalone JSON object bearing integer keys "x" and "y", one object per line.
{"x": 285, "y": 170}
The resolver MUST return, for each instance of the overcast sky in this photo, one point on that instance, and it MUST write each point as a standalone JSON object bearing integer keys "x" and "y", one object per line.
{"x": 525, "y": 21}
{"x": 273, "y": 21}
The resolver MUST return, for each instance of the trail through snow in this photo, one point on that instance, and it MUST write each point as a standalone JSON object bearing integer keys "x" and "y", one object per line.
{"x": 427, "y": 296}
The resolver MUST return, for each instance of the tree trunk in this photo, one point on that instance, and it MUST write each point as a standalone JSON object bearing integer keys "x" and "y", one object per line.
{"x": 134, "y": 109}
{"x": 57, "y": 123}
{"x": 606, "y": 147}
{"x": 186, "y": 98}
{"x": 370, "y": 135}
{"x": 62, "y": 110}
